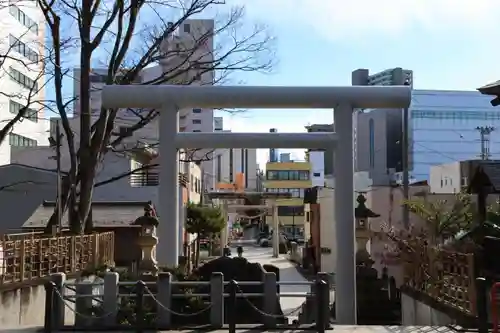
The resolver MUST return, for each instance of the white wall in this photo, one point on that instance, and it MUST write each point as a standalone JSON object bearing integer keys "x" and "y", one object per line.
{"x": 222, "y": 166}
{"x": 317, "y": 160}
{"x": 328, "y": 237}
{"x": 33, "y": 39}
{"x": 445, "y": 178}
{"x": 112, "y": 165}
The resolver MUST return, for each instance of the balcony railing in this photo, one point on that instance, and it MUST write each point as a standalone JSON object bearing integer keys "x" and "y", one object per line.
{"x": 153, "y": 179}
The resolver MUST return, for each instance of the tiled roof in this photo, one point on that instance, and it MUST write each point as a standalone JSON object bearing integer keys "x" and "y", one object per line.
{"x": 103, "y": 216}
{"x": 491, "y": 169}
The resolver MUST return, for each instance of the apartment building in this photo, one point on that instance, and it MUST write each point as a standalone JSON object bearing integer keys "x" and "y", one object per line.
{"x": 327, "y": 153}
{"x": 229, "y": 162}
{"x": 289, "y": 177}
{"x": 22, "y": 37}
{"x": 115, "y": 164}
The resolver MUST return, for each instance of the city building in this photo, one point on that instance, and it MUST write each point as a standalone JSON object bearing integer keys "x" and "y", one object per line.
{"x": 273, "y": 152}
{"x": 390, "y": 122}
{"x": 289, "y": 177}
{"x": 328, "y": 153}
{"x": 23, "y": 38}
{"x": 388, "y": 77}
{"x": 176, "y": 48}
{"x": 455, "y": 176}
{"x": 317, "y": 161}
{"x": 229, "y": 162}
{"x": 444, "y": 127}
{"x": 141, "y": 185}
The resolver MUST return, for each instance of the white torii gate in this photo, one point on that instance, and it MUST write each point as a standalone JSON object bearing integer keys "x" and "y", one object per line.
{"x": 276, "y": 234}
{"x": 171, "y": 98}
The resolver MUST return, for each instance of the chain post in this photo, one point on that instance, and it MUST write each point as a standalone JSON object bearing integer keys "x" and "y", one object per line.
{"x": 233, "y": 290}
{"x": 140, "y": 322}
{"x": 321, "y": 320}
{"x": 48, "y": 326}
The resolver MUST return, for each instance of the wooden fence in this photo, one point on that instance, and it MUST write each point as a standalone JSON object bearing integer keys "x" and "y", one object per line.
{"x": 27, "y": 257}
{"x": 446, "y": 276}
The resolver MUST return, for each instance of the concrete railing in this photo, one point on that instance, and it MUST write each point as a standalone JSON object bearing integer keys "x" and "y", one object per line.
{"x": 161, "y": 291}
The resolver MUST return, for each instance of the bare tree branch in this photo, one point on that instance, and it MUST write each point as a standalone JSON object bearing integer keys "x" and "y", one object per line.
{"x": 126, "y": 38}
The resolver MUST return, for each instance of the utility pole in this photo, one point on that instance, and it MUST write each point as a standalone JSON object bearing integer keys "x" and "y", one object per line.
{"x": 484, "y": 132}
{"x": 405, "y": 165}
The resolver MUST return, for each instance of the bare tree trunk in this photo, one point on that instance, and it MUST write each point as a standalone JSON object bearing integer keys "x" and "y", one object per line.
{"x": 86, "y": 166}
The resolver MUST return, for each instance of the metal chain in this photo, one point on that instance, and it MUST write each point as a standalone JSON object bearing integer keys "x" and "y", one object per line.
{"x": 172, "y": 311}
{"x": 67, "y": 305}
{"x": 289, "y": 313}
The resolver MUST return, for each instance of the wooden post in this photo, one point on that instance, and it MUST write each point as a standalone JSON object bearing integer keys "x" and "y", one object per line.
{"x": 40, "y": 257}
{"x": 73, "y": 254}
{"x": 472, "y": 294}
{"x": 95, "y": 243}
{"x": 22, "y": 266}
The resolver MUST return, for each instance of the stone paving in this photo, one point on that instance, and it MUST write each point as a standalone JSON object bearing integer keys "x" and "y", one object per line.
{"x": 288, "y": 273}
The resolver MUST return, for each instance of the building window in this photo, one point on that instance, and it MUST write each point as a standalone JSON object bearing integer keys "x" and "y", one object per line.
{"x": 196, "y": 131}
{"x": 304, "y": 175}
{"x": 371, "y": 129}
{"x": 196, "y": 110}
{"x": 291, "y": 210}
{"x": 144, "y": 177}
{"x": 187, "y": 28}
{"x": 22, "y": 79}
{"x": 21, "y": 141}
{"x": 29, "y": 114}
{"x": 287, "y": 175}
{"x": 21, "y": 48}
{"x": 219, "y": 168}
{"x": 464, "y": 181}
{"x": 24, "y": 19}
{"x": 196, "y": 121}
{"x": 317, "y": 174}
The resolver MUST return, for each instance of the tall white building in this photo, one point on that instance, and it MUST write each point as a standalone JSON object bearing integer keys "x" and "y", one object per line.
{"x": 193, "y": 41}
{"x": 22, "y": 36}
{"x": 229, "y": 162}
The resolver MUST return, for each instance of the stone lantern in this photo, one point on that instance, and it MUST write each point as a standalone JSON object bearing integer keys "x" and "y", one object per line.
{"x": 362, "y": 214}
{"x": 147, "y": 240}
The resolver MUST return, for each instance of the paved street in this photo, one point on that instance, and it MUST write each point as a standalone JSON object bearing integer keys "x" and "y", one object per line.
{"x": 288, "y": 273}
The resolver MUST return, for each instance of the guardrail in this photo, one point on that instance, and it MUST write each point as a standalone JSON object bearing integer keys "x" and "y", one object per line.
{"x": 161, "y": 292}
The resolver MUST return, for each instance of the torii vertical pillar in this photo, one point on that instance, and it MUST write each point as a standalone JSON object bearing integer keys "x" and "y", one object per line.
{"x": 167, "y": 251}
{"x": 345, "y": 276}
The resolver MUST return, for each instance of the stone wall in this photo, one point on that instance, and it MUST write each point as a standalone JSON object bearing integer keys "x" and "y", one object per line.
{"x": 415, "y": 312}
{"x": 25, "y": 306}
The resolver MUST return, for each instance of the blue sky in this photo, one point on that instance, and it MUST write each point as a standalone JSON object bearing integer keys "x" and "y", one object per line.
{"x": 449, "y": 44}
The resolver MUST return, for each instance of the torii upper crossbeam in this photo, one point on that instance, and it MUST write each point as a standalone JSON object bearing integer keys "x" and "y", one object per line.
{"x": 342, "y": 99}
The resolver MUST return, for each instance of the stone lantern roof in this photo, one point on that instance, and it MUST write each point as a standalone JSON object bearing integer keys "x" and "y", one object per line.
{"x": 149, "y": 219}
{"x": 361, "y": 211}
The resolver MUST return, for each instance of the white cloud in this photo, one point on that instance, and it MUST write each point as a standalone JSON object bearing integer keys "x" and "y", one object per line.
{"x": 338, "y": 19}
